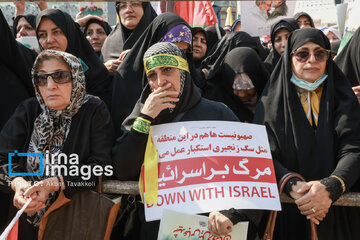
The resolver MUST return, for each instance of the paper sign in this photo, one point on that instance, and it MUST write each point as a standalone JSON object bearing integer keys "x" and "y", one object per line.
{"x": 206, "y": 166}
{"x": 180, "y": 226}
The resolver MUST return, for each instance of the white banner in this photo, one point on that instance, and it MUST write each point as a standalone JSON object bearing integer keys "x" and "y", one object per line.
{"x": 213, "y": 165}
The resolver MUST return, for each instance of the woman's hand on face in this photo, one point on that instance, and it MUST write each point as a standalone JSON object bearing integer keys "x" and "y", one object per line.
{"x": 356, "y": 90}
{"x": 316, "y": 201}
{"x": 20, "y": 185}
{"x": 159, "y": 100}
{"x": 219, "y": 224}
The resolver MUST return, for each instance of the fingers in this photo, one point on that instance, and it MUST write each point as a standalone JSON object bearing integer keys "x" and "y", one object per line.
{"x": 31, "y": 191}
{"x": 219, "y": 224}
{"x": 304, "y": 188}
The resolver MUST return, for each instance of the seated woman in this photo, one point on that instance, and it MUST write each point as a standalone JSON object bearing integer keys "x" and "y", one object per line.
{"x": 239, "y": 82}
{"x": 169, "y": 96}
{"x": 62, "y": 119}
{"x": 56, "y": 30}
{"x": 96, "y": 32}
{"x": 280, "y": 32}
{"x": 312, "y": 119}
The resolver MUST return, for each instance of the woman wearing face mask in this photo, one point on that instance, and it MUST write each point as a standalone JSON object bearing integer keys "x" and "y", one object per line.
{"x": 239, "y": 82}
{"x": 312, "y": 119}
{"x": 169, "y": 96}
{"x": 56, "y": 30}
{"x": 280, "y": 32}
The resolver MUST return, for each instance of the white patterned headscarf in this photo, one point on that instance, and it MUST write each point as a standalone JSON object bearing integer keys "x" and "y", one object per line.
{"x": 51, "y": 127}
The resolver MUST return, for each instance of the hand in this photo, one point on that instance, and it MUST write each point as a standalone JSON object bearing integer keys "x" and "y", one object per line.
{"x": 316, "y": 201}
{"x": 83, "y": 20}
{"x": 42, "y": 5}
{"x": 356, "y": 90}
{"x": 294, "y": 193}
{"x": 20, "y": 7}
{"x": 159, "y": 100}
{"x": 219, "y": 224}
{"x": 20, "y": 185}
{"x": 41, "y": 190}
{"x": 112, "y": 65}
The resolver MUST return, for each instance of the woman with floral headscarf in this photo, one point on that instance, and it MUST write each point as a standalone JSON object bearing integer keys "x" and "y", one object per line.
{"x": 169, "y": 96}
{"x": 62, "y": 119}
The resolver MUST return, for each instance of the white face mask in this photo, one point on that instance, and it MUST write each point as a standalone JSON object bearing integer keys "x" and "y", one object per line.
{"x": 242, "y": 82}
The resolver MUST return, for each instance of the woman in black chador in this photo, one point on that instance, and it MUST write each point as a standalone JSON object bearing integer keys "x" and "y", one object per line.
{"x": 312, "y": 119}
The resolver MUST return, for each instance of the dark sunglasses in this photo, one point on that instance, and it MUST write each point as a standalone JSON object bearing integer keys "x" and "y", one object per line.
{"x": 303, "y": 55}
{"x": 60, "y": 77}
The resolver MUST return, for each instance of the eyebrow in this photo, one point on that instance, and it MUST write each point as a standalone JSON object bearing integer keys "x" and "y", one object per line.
{"x": 55, "y": 28}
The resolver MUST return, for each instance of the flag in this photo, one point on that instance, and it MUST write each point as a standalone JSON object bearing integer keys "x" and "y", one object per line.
{"x": 229, "y": 18}
{"x": 196, "y": 13}
{"x": 13, "y": 234}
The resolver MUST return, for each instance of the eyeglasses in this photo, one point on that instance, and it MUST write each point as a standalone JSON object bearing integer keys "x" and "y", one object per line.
{"x": 132, "y": 5}
{"x": 59, "y": 77}
{"x": 303, "y": 55}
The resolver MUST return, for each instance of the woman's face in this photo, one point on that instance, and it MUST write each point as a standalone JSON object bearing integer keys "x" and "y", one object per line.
{"x": 130, "y": 14}
{"x": 281, "y": 37}
{"x": 24, "y": 29}
{"x": 96, "y": 36}
{"x": 246, "y": 96}
{"x": 159, "y": 77}
{"x": 56, "y": 96}
{"x": 304, "y": 22}
{"x": 51, "y": 36}
{"x": 311, "y": 68}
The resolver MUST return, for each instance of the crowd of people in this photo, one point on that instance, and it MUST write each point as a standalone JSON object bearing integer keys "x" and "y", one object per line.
{"x": 95, "y": 90}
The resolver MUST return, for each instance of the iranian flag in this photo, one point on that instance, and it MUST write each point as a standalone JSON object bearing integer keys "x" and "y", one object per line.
{"x": 196, "y": 13}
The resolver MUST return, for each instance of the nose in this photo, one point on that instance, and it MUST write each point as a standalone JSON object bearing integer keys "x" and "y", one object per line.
{"x": 50, "y": 38}
{"x": 22, "y": 32}
{"x": 161, "y": 80}
{"x": 50, "y": 83}
{"x": 128, "y": 8}
{"x": 95, "y": 36}
{"x": 312, "y": 57}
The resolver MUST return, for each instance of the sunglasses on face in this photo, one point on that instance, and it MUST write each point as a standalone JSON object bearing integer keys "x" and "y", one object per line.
{"x": 59, "y": 77}
{"x": 303, "y": 55}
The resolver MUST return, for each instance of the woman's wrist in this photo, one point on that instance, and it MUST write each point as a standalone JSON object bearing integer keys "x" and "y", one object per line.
{"x": 142, "y": 125}
{"x": 334, "y": 186}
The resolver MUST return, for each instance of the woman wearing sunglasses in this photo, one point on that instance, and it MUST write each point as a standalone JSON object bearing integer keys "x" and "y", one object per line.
{"x": 313, "y": 123}
{"x": 61, "y": 119}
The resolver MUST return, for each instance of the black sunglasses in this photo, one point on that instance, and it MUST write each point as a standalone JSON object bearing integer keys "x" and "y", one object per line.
{"x": 60, "y": 77}
{"x": 303, "y": 55}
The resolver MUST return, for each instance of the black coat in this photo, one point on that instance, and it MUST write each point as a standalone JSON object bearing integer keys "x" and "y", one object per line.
{"x": 90, "y": 136}
{"x": 332, "y": 149}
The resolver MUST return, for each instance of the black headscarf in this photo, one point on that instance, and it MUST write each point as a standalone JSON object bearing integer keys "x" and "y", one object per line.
{"x": 300, "y": 14}
{"x": 333, "y": 148}
{"x": 97, "y": 76}
{"x": 188, "y": 98}
{"x": 130, "y": 78}
{"x": 239, "y": 60}
{"x": 215, "y": 59}
{"x": 30, "y": 18}
{"x": 348, "y": 59}
{"x": 289, "y": 24}
{"x": 107, "y": 28}
{"x": 15, "y": 63}
{"x": 121, "y": 38}
{"x": 194, "y": 31}
{"x": 212, "y": 37}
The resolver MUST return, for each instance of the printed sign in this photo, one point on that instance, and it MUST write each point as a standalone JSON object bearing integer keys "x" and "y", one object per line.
{"x": 206, "y": 166}
{"x": 175, "y": 225}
